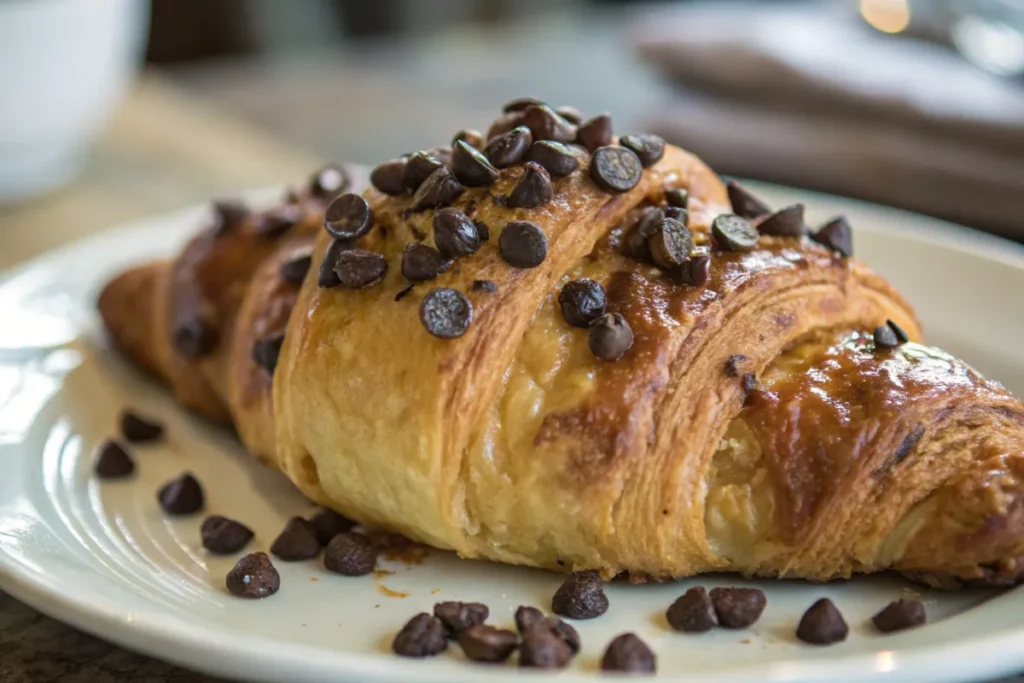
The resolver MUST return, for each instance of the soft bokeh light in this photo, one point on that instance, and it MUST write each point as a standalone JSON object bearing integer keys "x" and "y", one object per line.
{"x": 890, "y": 16}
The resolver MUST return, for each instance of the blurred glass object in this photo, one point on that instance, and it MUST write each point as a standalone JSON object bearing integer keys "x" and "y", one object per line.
{"x": 888, "y": 16}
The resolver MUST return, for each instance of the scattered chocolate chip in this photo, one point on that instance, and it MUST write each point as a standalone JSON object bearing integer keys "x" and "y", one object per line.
{"x": 297, "y": 541}
{"x": 545, "y": 124}
{"x": 733, "y": 363}
{"x": 348, "y": 217}
{"x": 483, "y": 231}
{"x": 581, "y": 595}
{"x": 670, "y": 243}
{"x": 533, "y": 189}
{"x": 835, "y": 235}
{"x": 885, "y": 338}
{"x": 439, "y": 189}
{"x": 523, "y": 244}
{"x": 223, "y": 536}
{"x": 483, "y": 643}
{"x": 229, "y": 214}
{"x": 563, "y": 631}
{"x": 900, "y": 614}
{"x": 694, "y": 271}
{"x": 636, "y": 239}
{"x": 446, "y": 313}
{"x": 822, "y": 624}
{"x": 900, "y": 333}
{"x": 610, "y": 336}
{"x": 542, "y": 648}
{"x": 749, "y": 382}
{"x": 629, "y": 654}
{"x": 521, "y": 103}
{"x": 194, "y": 337}
{"x": 745, "y": 204}
{"x": 327, "y": 276}
{"x": 526, "y": 617}
{"x": 418, "y": 168}
{"x": 328, "y": 181}
{"x": 693, "y": 612}
{"x": 458, "y": 616}
{"x": 738, "y": 607}
{"x": 485, "y": 286}
{"x": 421, "y": 262}
{"x": 277, "y": 222}
{"x": 615, "y": 169}
{"x": 253, "y": 577}
{"x": 556, "y": 158}
{"x": 327, "y": 524}
{"x": 138, "y": 429}
{"x": 509, "y": 148}
{"x": 389, "y": 177}
{"x": 595, "y": 132}
{"x": 733, "y": 233}
{"x": 648, "y": 147}
{"x": 294, "y": 270}
{"x": 677, "y": 197}
{"x": 678, "y": 214}
{"x": 423, "y": 636}
{"x": 454, "y": 233}
{"x": 350, "y": 554}
{"x": 113, "y": 461}
{"x": 787, "y": 222}
{"x": 358, "y": 268}
{"x": 181, "y": 496}
{"x": 471, "y": 167}
{"x": 473, "y": 138}
{"x": 581, "y": 302}
{"x": 267, "y": 350}
{"x": 570, "y": 114}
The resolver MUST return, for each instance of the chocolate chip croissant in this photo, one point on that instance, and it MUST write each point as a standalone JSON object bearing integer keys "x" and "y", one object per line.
{"x": 557, "y": 348}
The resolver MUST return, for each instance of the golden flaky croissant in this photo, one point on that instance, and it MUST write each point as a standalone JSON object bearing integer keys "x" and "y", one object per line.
{"x": 561, "y": 349}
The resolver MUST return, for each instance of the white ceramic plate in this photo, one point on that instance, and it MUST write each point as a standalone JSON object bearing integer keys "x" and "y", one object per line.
{"x": 103, "y": 558}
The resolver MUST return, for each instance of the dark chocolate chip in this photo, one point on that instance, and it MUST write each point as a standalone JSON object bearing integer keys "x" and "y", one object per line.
{"x": 694, "y": 271}
{"x": 693, "y": 612}
{"x": 294, "y": 270}
{"x": 509, "y": 148}
{"x": 181, "y": 496}
{"x": 504, "y": 124}
{"x": 471, "y": 167}
{"x": 738, "y": 607}
{"x": 223, "y": 536}
{"x": 458, "y": 616}
{"x": 442, "y": 154}
{"x": 520, "y": 104}
{"x": 253, "y": 577}
{"x": 542, "y": 648}
{"x": 358, "y": 268}
{"x": 527, "y": 617}
{"x": 423, "y": 636}
{"x": 482, "y": 230}
{"x": 277, "y": 222}
{"x": 229, "y": 214}
{"x": 523, "y": 244}
{"x": 138, "y": 429}
{"x": 556, "y": 158}
{"x": 404, "y": 291}
{"x": 485, "y": 286}
{"x": 350, "y": 554}
{"x": 439, "y": 189}
{"x": 421, "y": 262}
{"x": 267, "y": 350}
{"x": 675, "y": 213}
{"x": 389, "y": 177}
{"x": 570, "y": 114}
{"x": 636, "y": 239}
{"x": 733, "y": 233}
{"x": 670, "y": 243}
{"x": 446, "y": 313}
{"x": 629, "y": 654}
{"x": 787, "y": 222}
{"x": 649, "y": 148}
{"x": 581, "y": 595}
{"x": 610, "y": 336}
{"x": 822, "y": 624}
{"x": 749, "y": 382}
{"x": 327, "y": 276}
{"x": 113, "y": 461}
{"x": 615, "y": 169}
{"x": 454, "y": 233}
{"x": 899, "y": 615}
{"x": 581, "y": 302}
{"x": 483, "y": 643}
{"x": 595, "y": 132}
{"x": 418, "y": 168}
{"x": 328, "y": 524}
{"x": 745, "y": 204}
{"x": 677, "y": 197}
{"x": 733, "y": 363}
{"x": 348, "y": 217}
{"x": 885, "y": 337}
{"x": 563, "y": 631}
{"x": 473, "y": 138}
{"x": 900, "y": 333}
{"x": 835, "y": 235}
{"x": 533, "y": 189}
{"x": 329, "y": 181}
{"x": 298, "y": 541}
{"x": 194, "y": 337}
{"x": 545, "y": 124}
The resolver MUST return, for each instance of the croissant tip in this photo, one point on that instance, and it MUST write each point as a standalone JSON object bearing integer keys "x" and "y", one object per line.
{"x": 125, "y": 305}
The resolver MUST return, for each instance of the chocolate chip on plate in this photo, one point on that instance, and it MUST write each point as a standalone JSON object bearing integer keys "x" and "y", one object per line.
{"x": 422, "y": 636}
{"x": 835, "y": 235}
{"x": 358, "y": 268}
{"x": 733, "y": 233}
{"x": 454, "y": 233}
{"x": 738, "y": 607}
{"x": 787, "y": 222}
{"x": 458, "y": 616}
{"x": 277, "y": 222}
{"x": 483, "y": 643}
{"x": 295, "y": 268}
{"x": 418, "y": 168}
{"x": 677, "y": 197}
{"x": 628, "y": 654}
{"x": 229, "y": 214}
{"x": 527, "y": 616}
{"x": 488, "y": 286}
{"x": 581, "y": 301}
{"x": 694, "y": 271}
{"x": 389, "y": 177}
{"x": 113, "y": 461}
{"x": 610, "y": 336}
{"x": 223, "y": 536}
{"x": 508, "y": 149}
{"x": 348, "y": 217}
{"x": 670, "y": 243}
{"x": 545, "y": 124}
{"x": 298, "y": 541}
{"x": 581, "y": 596}
{"x": 439, "y": 189}
{"x": 328, "y": 181}
{"x": 194, "y": 336}
{"x": 733, "y": 364}
{"x": 471, "y": 167}
{"x": 421, "y": 262}
{"x": 350, "y": 554}
{"x": 253, "y": 577}
{"x": 692, "y": 612}
{"x": 267, "y": 350}
{"x": 138, "y": 429}
{"x": 531, "y": 617}
{"x": 181, "y": 496}
{"x": 557, "y": 159}
{"x": 523, "y": 244}
{"x": 570, "y": 114}
{"x": 615, "y": 169}
{"x": 471, "y": 137}
{"x": 900, "y": 614}
{"x": 521, "y": 103}
{"x": 542, "y": 648}
{"x": 595, "y": 132}
{"x": 328, "y": 277}
{"x": 885, "y": 337}
{"x": 328, "y": 524}
{"x": 745, "y": 204}
{"x": 650, "y": 148}
{"x": 446, "y": 313}
{"x": 533, "y": 189}
{"x": 822, "y": 624}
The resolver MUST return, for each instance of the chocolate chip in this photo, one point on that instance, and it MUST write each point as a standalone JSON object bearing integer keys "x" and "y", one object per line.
{"x": 485, "y": 286}
{"x": 328, "y": 277}
{"x": 733, "y": 363}
{"x": 610, "y": 336}
{"x": 615, "y": 169}
{"x": 745, "y": 204}
{"x": 733, "y": 233}
{"x": 694, "y": 271}
{"x": 350, "y": 554}
{"x": 277, "y": 222}
{"x": 458, "y": 616}
{"x": 389, "y": 177}
{"x": 542, "y": 648}
{"x": 900, "y": 333}
{"x": 677, "y": 197}
{"x": 454, "y": 233}
{"x": 523, "y": 244}
{"x": 404, "y": 291}
{"x": 442, "y": 154}
{"x": 439, "y": 189}
{"x": 629, "y": 654}
{"x": 266, "y": 351}
{"x": 581, "y": 302}
{"x": 298, "y": 541}
{"x": 194, "y": 337}
{"x": 636, "y": 239}
{"x": 822, "y": 624}
{"x": 595, "y": 132}
{"x": 692, "y": 612}
{"x": 545, "y": 124}
{"x": 113, "y": 461}
{"x": 670, "y": 243}
{"x": 835, "y": 235}
{"x": 504, "y": 124}
{"x": 521, "y": 103}
{"x": 563, "y": 631}
{"x": 900, "y": 614}
{"x": 483, "y": 643}
{"x": 509, "y": 148}
{"x": 327, "y": 524}
{"x": 328, "y": 181}
{"x": 557, "y": 159}
{"x": 418, "y": 168}
{"x": 648, "y": 147}
{"x": 358, "y": 268}
{"x": 677, "y": 214}
{"x": 482, "y": 230}
{"x": 749, "y": 382}
{"x": 138, "y": 429}
{"x": 423, "y": 636}
{"x": 471, "y": 167}
{"x": 570, "y": 114}
{"x": 229, "y": 214}
{"x": 253, "y": 577}
{"x": 421, "y": 262}
{"x": 526, "y": 617}
{"x": 787, "y": 222}
{"x": 348, "y": 217}
{"x": 473, "y": 138}
{"x": 533, "y": 189}
{"x": 181, "y": 496}
{"x": 446, "y": 313}
{"x": 294, "y": 270}
{"x": 223, "y": 536}
{"x": 738, "y": 607}
{"x": 581, "y": 596}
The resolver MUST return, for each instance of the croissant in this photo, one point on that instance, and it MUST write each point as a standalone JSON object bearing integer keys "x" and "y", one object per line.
{"x": 567, "y": 350}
